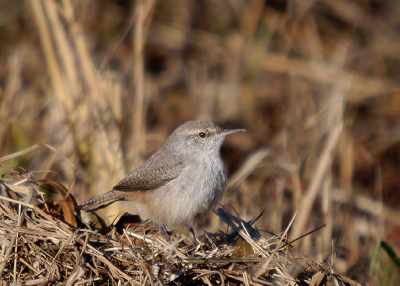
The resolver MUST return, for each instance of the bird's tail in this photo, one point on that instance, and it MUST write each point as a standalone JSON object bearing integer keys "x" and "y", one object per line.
{"x": 101, "y": 201}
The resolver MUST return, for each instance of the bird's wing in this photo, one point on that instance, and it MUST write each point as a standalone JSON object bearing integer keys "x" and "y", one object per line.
{"x": 156, "y": 172}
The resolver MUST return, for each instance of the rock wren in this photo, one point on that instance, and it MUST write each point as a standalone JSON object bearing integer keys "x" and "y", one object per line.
{"x": 181, "y": 181}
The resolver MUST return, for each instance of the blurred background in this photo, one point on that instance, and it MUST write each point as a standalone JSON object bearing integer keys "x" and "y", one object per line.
{"x": 315, "y": 83}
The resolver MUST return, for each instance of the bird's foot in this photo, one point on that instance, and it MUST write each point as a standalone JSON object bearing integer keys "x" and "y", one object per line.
{"x": 194, "y": 241}
{"x": 166, "y": 232}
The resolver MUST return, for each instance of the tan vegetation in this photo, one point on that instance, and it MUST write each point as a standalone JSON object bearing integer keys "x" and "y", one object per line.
{"x": 90, "y": 89}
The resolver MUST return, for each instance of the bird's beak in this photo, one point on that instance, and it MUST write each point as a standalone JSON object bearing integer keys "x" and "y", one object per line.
{"x": 225, "y": 132}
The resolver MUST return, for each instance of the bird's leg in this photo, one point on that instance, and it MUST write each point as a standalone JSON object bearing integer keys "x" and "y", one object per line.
{"x": 166, "y": 232}
{"x": 194, "y": 235}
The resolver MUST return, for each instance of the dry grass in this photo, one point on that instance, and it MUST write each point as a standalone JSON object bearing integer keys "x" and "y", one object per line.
{"x": 40, "y": 247}
{"x": 315, "y": 83}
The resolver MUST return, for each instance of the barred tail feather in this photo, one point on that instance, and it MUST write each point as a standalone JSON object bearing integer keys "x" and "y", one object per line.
{"x": 101, "y": 201}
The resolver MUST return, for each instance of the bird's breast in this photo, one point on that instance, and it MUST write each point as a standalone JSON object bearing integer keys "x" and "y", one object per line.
{"x": 208, "y": 182}
{"x": 194, "y": 192}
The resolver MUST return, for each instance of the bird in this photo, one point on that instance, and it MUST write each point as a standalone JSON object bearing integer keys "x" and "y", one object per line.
{"x": 182, "y": 181}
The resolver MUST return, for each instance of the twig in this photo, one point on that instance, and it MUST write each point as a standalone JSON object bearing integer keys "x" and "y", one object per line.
{"x": 308, "y": 233}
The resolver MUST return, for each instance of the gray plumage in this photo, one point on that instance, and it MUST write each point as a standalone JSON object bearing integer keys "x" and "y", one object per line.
{"x": 182, "y": 180}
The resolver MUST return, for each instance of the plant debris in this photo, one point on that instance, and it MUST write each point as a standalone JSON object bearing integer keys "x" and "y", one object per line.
{"x": 42, "y": 245}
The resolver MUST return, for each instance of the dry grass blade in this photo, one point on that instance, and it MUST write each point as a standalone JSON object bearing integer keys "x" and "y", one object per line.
{"x": 312, "y": 191}
{"x": 266, "y": 264}
{"x": 248, "y": 167}
{"x": 19, "y": 153}
{"x": 21, "y": 216}
{"x": 363, "y": 86}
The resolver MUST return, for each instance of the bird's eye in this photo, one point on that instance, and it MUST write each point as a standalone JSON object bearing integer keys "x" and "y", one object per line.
{"x": 202, "y": 135}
